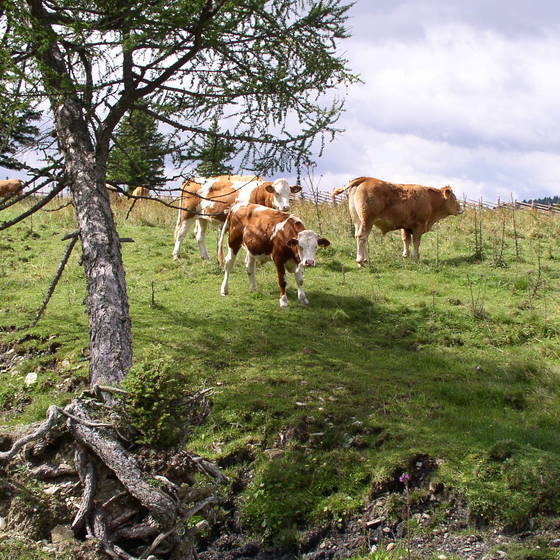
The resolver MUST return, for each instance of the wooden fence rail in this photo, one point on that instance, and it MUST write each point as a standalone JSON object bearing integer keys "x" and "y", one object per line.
{"x": 325, "y": 198}
{"x": 321, "y": 197}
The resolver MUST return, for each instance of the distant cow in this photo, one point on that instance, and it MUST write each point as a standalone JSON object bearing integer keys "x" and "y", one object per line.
{"x": 412, "y": 208}
{"x": 114, "y": 193}
{"x": 209, "y": 199}
{"x": 141, "y": 191}
{"x": 10, "y": 186}
{"x": 266, "y": 234}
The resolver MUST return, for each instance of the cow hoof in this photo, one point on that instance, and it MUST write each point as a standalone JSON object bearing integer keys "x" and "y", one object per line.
{"x": 224, "y": 293}
{"x": 283, "y": 301}
{"x": 205, "y": 257}
{"x": 304, "y": 301}
{"x": 175, "y": 257}
{"x": 361, "y": 264}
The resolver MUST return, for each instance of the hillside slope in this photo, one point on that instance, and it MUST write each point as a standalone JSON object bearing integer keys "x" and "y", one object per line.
{"x": 447, "y": 370}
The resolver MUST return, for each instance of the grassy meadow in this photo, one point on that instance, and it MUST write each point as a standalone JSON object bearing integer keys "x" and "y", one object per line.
{"x": 453, "y": 362}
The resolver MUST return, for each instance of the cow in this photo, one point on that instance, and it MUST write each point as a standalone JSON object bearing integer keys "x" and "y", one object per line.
{"x": 114, "y": 193}
{"x": 209, "y": 199}
{"x": 141, "y": 192}
{"x": 413, "y": 209}
{"x": 267, "y": 234}
{"x": 10, "y": 186}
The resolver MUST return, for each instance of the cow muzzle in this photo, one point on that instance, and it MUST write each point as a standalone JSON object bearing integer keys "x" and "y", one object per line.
{"x": 309, "y": 262}
{"x": 285, "y": 208}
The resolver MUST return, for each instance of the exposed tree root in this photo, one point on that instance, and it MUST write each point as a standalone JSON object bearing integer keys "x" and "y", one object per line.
{"x": 133, "y": 512}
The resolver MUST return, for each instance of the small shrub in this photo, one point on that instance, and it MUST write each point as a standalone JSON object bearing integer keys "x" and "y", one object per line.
{"x": 158, "y": 405}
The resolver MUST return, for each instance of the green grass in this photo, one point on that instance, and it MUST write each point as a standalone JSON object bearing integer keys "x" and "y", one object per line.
{"x": 453, "y": 358}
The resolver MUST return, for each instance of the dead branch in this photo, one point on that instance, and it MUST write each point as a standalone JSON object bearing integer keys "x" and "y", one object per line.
{"x": 43, "y": 202}
{"x": 56, "y": 278}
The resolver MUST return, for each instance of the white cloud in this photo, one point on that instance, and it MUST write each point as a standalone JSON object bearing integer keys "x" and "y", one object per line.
{"x": 479, "y": 171}
{"x": 461, "y": 102}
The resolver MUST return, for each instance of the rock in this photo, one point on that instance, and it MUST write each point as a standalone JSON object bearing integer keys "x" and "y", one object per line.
{"x": 555, "y": 543}
{"x": 386, "y": 529}
{"x": 273, "y": 454}
{"x": 3, "y": 523}
{"x": 62, "y": 534}
{"x": 30, "y": 378}
{"x": 390, "y": 546}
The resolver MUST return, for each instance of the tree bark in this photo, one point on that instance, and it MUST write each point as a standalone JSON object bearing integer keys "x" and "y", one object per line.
{"x": 107, "y": 301}
{"x": 110, "y": 337}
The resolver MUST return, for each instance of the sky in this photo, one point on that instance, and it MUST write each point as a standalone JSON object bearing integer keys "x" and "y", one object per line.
{"x": 453, "y": 92}
{"x": 465, "y": 93}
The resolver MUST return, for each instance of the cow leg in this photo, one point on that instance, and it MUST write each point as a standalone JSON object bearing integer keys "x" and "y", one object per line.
{"x": 228, "y": 266}
{"x": 180, "y": 231}
{"x": 416, "y": 238}
{"x": 282, "y": 284}
{"x": 251, "y": 264}
{"x": 299, "y": 281}
{"x": 405, "y": 234}
{"x": 362, "y": 234}
{"x": 200, "y": 233}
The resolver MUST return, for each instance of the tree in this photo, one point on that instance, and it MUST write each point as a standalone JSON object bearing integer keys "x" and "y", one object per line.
{"x": 17, "y": 116}
{"x": 214, "y": 153}
{"x": 137, "y": 157}
{"x": 266, "y": 64}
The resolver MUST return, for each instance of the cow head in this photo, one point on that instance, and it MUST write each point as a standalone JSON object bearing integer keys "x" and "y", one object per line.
{"x": 281, "y": 191}
{"x": 307, "y": 242}
{"x": 452, "y": 205}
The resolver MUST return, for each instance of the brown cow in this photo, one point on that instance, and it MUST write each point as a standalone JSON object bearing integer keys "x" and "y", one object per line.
{"x": 209, "y": 199}
{"x": 141, "y": 191}
{"x": 413, "y": 209}
{"x": 10, "y": 186}
{"x": 266, "y": 234}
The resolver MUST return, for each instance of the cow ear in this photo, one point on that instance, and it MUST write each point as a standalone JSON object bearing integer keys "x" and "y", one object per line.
{"x": 323, "y": 242}
{"x": 447, "y": 191}
{"x": 269, "y": 188}
{"x": 292, "y": 242}
{"x": 295, "y": 188}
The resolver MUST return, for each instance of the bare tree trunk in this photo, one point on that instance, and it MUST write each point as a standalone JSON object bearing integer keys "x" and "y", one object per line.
{"x": 85, "y": 169}
{"x": 107, "y": 301}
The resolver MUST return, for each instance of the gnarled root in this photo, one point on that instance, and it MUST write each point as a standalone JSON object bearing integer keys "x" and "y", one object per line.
{"x": 133, "y": 512}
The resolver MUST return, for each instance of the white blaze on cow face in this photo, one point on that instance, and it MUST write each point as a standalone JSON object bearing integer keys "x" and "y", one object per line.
{"x": 281, "y": 191}
{"x": 308, "y": 241}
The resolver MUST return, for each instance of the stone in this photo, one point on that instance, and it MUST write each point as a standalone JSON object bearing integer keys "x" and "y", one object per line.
{"x": 390, "y": 546}
{"x": 273, "y": 453}
{"x": 30, "y": 378}
{"x": 62, "y": 534}
{"x": 3, "y": 523}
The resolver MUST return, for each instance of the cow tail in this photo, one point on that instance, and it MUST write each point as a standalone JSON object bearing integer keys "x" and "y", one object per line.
{"x": 221, "y": 241}
{"x": 352, "y": 183}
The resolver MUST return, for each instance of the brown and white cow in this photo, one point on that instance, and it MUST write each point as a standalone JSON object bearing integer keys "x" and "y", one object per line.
{"x": 413, "y": 209}
{"x": 10, "y": 186}
{"x": 267, "y": 234}
{"x": 209, "y": 199}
